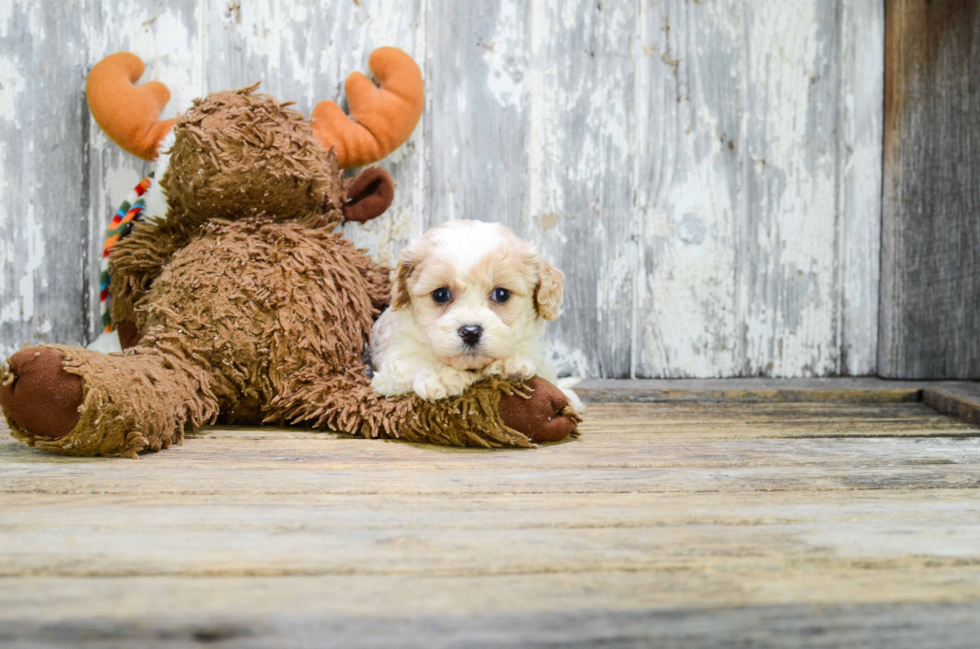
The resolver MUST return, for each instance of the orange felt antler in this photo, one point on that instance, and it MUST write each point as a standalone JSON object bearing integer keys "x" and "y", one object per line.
{"x": 381, "y": 119}
{"x": 129, "y": 114}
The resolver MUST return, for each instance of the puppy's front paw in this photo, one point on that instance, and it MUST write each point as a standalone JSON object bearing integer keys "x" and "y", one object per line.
{"x": 515, "y": 367}
{"x": 439, "y": 385}
{"x": 430, "y": 387}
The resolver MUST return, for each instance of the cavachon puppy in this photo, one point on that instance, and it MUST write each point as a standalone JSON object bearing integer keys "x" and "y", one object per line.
{"x": 469, "y": 301}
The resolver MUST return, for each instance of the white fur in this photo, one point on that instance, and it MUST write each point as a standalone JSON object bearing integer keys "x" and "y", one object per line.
{"x": 106, "y": 343}
{"x": 155, "y": 199}
{"x": 417, "y": 347}
{"x": 465, "y": 242}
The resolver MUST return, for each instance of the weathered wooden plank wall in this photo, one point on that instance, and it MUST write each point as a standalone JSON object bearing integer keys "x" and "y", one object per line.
{"x": 707, "y": 174}
{"x": 43, "y": 174}
{"x": 930, "y": 324}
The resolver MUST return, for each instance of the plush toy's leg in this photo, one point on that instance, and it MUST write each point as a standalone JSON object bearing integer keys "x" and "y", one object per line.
{"x": 78, "y": 402}
{"x": 491, "y": 413}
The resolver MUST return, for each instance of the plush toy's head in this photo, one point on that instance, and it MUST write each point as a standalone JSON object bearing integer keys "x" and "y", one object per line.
{"x": 242, "y": 153}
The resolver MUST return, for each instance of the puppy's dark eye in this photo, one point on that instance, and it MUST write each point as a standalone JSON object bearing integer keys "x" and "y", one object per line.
{"x": 500, "y": 295}
{"x": 441, "y": 295}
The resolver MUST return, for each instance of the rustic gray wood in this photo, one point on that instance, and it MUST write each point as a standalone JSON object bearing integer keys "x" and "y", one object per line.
{"x": 758, "y": 138}
{"x": 930, "y": 276}
{"x": 860, "y": 128}
{"x": 885, "y": 626}
{"x": 959, "y": 400}
{"x": 477, "y": 111}
{"x": 581, "y": 167}
{"x": 706, "y": 174}
{"x": 774, "y": 524}
{"x": 43, "y": 175}
{"x": 688, "y": 189}
{"x": 789, "y": 234}
{"x": 837, "y": 390}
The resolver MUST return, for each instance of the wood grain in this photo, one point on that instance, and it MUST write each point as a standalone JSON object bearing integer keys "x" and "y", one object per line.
{"x": 688, "y": 134}
{"x": 960, "y": 400}
{"x": 680, "y": 522}
{"x": 450, "y": 536}
{"x": 841, "y": 390}
{"x": 43, "y": 175}
{"x": 478, "y": 111}
{"x": 930, "y": 282}
{"x": 859, "y": 169}
{"x": 417, "y": 612}
{"x": 581, "y": 175}
{"x": 741, "y": 447}
{"x": 789, "y": 228}
{"x": 757, "y": 159}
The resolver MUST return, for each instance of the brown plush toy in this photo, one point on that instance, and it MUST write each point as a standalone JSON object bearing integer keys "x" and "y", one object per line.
{"x": 246, "y": 305}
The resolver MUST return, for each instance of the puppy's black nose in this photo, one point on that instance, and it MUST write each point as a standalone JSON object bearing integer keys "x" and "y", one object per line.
{"x": 470, "y": 334}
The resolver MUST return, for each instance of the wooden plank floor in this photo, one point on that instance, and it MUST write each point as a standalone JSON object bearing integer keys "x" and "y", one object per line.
{"x": 666, "y": 524}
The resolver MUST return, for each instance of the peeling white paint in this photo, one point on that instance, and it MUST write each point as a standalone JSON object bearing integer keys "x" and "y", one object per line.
{"x": 789, "y": 331}
{"x": 507, "y": 78}
{"x": 615, "y": 277}
{"x": 31, "y": 245}
{"x": 385, "y": 236}
{"x": 8, "y": 10}
{"x": 565, "y": 360}
{"x": 862, "y": 83}
{"x": 739, "y": 138}
{"x": 11, "y": 86}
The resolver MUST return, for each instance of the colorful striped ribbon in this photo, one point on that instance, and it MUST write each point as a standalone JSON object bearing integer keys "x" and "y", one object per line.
{"x": 123, "y": 221}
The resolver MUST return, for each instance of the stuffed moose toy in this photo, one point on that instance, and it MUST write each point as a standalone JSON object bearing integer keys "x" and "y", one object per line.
{"x": 236, "y": 299}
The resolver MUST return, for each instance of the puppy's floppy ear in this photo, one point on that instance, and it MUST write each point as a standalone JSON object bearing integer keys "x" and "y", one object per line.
{"x": 408, "y": 261}
{"x": 548, "y": 292}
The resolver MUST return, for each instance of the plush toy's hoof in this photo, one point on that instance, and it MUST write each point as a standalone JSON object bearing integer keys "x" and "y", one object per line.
{"x": 38, "y": 394}
{"x": 542, "y": 416}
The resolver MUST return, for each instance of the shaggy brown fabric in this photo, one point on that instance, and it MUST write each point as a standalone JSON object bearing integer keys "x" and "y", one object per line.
{"x": 130, "y": 403}
{"x": 136, "y": 261}
{"x": 240, "y": 154}
{"x": 471, "y": 419}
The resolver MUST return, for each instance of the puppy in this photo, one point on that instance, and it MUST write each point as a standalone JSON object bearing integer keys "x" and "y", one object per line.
{"x": 469, "y": 300}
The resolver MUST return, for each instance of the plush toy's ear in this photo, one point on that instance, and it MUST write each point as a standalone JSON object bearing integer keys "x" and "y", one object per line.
{"x": 409, "y": 261}
{"x": 548, "y": 292}
{"x": 129, "y": 114}
{"x": 369, "y": 195}
{"x": 381, "y": 119}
